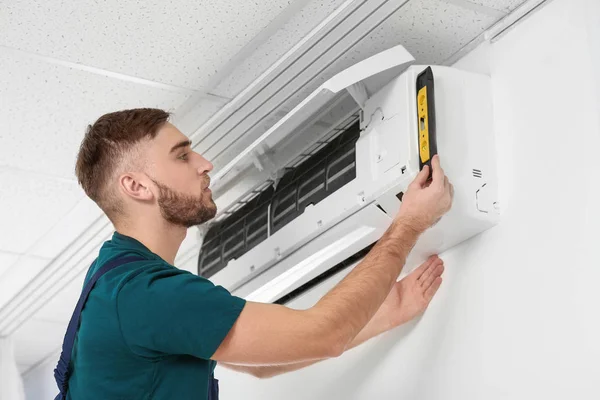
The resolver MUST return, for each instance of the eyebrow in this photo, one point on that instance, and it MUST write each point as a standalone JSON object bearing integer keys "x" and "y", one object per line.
{"x": 183, "y": 143}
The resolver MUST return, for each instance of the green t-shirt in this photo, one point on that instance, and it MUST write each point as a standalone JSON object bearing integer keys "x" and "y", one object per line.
{"x": 148, "y": 329}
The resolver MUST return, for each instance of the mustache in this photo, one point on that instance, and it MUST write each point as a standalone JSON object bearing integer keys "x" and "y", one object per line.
{"x": 206, "y": 182}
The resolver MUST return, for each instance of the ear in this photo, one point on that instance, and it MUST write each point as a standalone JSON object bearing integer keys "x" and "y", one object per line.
{"x": 136, "y": 186}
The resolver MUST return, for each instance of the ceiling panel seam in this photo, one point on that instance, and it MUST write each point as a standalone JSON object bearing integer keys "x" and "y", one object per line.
{"x": 12, "y": 253}
{"x": 6, "y": 168}
{"x": 99, "y": 71}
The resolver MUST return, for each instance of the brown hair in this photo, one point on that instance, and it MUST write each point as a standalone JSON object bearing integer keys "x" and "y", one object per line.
{"x": 105, "y": 146}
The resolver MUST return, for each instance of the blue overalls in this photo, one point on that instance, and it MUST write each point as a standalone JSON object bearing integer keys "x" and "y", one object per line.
{"x": 62, "y": 373}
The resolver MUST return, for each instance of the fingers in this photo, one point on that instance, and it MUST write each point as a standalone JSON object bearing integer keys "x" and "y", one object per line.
{"x": 430, "y": 273}
{"x": 421, "y": 269}
{"x": 438, "y": 173}
{"x": 421, "y": 178}
{"x": 436, "y": 272}
{"x": 430, "y": 292}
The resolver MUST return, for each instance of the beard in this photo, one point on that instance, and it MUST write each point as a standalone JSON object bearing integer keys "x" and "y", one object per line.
{"x": 185, "y": 210}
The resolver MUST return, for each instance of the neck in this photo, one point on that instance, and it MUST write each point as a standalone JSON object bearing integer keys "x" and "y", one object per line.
{"x": 160, "y": 237}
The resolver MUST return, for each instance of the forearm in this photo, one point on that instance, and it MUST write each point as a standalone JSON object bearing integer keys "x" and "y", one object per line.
{"x": 372, "y": 329}
{"x": 353, "y": 302}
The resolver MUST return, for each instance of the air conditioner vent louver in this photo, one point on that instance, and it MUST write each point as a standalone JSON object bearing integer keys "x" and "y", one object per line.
{"x": 235, "y": 235}
{"x": 310, "y": 182}
{"x": 316, "y": 178}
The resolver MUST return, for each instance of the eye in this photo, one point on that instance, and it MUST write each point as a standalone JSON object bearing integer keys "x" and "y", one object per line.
{"x": 183, "y": 157}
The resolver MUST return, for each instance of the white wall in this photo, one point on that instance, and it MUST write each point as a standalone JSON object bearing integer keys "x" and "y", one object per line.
{"x": 517, "y": 316}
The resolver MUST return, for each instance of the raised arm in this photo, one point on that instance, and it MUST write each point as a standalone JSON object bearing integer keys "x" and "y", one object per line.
{"x": 407, "y": 299}
{"x": 267, "y": 334}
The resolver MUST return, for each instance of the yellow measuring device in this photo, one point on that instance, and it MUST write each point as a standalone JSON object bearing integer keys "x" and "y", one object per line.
{"x": 423, "y": 125}
{"x": 426, "y": 117}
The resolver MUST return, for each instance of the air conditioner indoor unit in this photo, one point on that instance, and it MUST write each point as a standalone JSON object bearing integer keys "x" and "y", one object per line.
{"x": 342, "y": 160}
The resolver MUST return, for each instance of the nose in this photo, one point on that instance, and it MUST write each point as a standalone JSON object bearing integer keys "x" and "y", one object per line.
{"x": 205, "y": 166}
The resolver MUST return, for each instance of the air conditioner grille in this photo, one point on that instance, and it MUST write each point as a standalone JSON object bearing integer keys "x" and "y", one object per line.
{"x": 235, "y": 235}
{"x": 311, "y": 181}
{"x": 315, "y": 178}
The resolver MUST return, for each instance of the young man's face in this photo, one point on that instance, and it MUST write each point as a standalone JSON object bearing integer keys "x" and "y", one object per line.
{"x": 181, "y": 176}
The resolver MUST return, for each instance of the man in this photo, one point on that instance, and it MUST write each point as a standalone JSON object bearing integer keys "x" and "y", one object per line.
{"x": 151, "y": 331}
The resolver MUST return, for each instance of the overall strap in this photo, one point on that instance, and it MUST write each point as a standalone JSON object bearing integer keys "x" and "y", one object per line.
{"x": 61, "y": 373}
{"x": 213, "y": 388}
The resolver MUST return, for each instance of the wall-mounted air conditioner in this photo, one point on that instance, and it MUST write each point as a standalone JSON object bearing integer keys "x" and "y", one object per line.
{"x": 327, "y": 211}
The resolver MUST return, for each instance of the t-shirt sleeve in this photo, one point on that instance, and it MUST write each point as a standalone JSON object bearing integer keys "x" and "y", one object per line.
{"x": 170, "y": 311}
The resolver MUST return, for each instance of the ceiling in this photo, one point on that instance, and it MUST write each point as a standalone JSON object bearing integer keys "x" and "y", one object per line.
{"x": 65, "y": 63}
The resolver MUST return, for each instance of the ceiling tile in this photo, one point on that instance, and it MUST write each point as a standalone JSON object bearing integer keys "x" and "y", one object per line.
{"x": 60, "y": 307}
{"x": 68, "y": 229}
{"x": 501, "y": 5}
{"x": 277, "y": 45}
{"x": 18, "y": 276}
{"x": 30, "y": 205}
{"x": 182, "y": 43}
{"x": 6, "y": 261}
{"x": 430, "y": 30}
{"x": 36, "y": 340}
{"x": 197, "y": 110}
{"x": 45, "y": 109}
